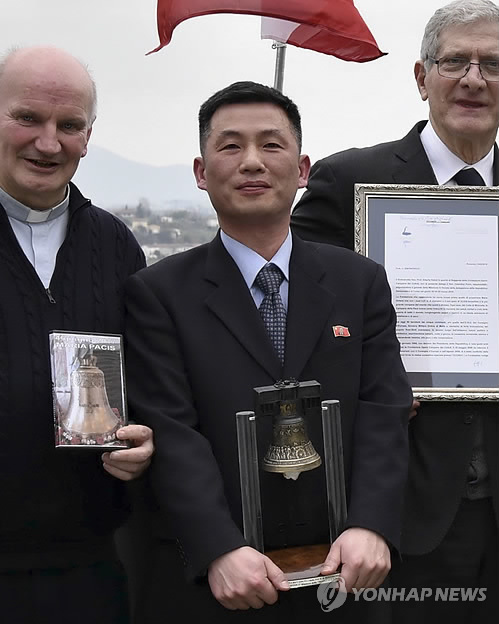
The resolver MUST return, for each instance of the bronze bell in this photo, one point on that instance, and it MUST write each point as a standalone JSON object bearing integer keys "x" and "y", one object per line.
{"x": 291, "y": 451}
{"x": 89, "y": 413}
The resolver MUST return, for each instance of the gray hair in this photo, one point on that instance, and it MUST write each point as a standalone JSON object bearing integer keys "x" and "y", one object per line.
{"x": 4, "y": 59}
{"x": 454, "y": 14}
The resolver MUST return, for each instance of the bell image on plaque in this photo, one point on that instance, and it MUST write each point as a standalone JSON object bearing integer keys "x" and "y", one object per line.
{"x": 292, "y": 479}
{"x": 88, "y": 389}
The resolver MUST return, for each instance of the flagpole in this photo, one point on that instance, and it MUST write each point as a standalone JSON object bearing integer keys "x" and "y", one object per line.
{"x": 279, "y": 64}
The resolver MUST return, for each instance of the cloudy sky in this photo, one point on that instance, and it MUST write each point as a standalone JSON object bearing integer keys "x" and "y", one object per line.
{"x": 148, "y": 104}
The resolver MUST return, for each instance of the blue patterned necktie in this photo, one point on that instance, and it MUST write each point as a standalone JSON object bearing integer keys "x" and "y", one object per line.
{"x": 269, "y": 280}
{"x": 469, "y": 177}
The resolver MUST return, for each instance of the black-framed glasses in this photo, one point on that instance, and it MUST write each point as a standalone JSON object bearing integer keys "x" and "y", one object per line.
{"x": 457, "y": 68}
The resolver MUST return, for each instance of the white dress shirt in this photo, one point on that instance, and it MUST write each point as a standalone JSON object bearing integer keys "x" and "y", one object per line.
{"x": 446, "y": 164}
{"x": 249, "y": 263}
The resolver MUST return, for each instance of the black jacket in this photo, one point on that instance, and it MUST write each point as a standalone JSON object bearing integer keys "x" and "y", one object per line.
{"x": 196, "y": 349}
{"x": 441, "y": 436}
{"x": 58, "y": 505}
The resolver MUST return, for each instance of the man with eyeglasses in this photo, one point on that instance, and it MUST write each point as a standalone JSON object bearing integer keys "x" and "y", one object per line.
{"x": 450, "y": 529}
{"x": 457, "y": 67}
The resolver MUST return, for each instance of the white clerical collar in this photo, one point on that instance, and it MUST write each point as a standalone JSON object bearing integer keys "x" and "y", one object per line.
{"x": 446, "y": 164}
{"x": 23, "y": 213}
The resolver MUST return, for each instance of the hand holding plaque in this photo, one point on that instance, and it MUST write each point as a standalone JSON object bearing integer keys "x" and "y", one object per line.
{"x": 88, "y": 389}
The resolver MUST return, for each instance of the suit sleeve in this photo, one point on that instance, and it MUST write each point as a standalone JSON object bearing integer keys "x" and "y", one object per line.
{"x": 184, "y": 472}
{"x": 380, "y": 448}
{"x": 324, "y": 213}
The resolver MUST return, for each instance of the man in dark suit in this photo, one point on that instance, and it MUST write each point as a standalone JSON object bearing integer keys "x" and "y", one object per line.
{"x": 197, "y": 346}
{"x": 452, "y": 503}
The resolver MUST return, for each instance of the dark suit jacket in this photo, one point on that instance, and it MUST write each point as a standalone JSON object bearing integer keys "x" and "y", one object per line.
{"x": 325, "y": 212}
{"x": 196, "y": 348}
{"x": 442, "y": 434}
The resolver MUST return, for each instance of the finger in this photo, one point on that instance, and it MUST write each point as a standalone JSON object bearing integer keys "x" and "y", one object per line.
{"x": 255, "y": 602}
{"x": 132, "y": 466}
{"x": 276, "y": 577}
{"x": 267, "y": 592}
{"x": 234, "y": 602}
{"x": 136, "y": 455}
{"x": 332, "y": 562}
{"x": 350, "y": 575}
{"x": 131, "y": 469}
{"x": 374, "y": 577}
{"x": 123, "y": 475}
{"x": 136, "y": 433}
{"x": 378, "y": 579}
{"x": 363, "y": 581}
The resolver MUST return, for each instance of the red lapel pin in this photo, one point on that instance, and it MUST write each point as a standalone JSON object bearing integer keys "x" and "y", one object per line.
{"x": 341, "y": 331}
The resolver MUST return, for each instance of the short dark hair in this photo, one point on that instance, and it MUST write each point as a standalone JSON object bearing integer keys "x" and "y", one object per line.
{"x": 243, "y": 92}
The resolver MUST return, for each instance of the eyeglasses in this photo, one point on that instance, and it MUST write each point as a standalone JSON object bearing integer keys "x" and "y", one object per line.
{"x": 457, "y": 68}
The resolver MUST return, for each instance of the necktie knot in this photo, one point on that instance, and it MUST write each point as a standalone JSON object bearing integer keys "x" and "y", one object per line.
{"x": 469, "y": 177}
{"x": 269, "y": 279}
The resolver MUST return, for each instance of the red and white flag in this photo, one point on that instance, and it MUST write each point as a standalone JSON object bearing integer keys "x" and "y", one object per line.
{"x": 330, "y": 26}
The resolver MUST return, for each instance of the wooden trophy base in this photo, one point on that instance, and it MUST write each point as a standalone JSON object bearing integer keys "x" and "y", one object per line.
{"x": 302, "y": 564}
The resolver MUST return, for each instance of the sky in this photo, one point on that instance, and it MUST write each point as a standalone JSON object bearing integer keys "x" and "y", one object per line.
{"x": 148, "y": 104}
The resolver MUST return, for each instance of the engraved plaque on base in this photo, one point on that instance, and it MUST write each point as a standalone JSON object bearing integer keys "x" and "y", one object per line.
{"x": 88, "y": 389}
{"x": 292, "y": 478}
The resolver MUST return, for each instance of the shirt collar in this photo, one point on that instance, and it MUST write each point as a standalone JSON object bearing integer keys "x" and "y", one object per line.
{"x": 20, "y": 212}
{"x": 446, "y": 164}
{"x": 249, "y": 262}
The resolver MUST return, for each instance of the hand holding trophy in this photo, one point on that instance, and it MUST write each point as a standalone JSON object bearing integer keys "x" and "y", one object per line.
{"x": 288, "y": 477}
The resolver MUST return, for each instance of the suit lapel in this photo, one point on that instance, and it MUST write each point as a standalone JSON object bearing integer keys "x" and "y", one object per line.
{"x": 412, "y": 164}
{"x": 309, "y": 307}
{"x": 231, "y": 301}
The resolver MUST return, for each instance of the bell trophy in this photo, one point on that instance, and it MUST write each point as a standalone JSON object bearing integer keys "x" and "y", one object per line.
{"x": 292, "y": 477}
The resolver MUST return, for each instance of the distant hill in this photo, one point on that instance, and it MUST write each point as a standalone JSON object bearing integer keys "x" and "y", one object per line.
{"x": 112, "y": 181}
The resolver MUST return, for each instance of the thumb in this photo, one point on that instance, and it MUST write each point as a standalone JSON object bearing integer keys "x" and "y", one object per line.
{"x": 276, "y": 575}
{"x": 333, "y": 560}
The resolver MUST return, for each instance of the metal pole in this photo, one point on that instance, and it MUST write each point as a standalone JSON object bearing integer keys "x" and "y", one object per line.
{"x": 333, "y": 462}
{"x": 249, "y": 479}
{"x": 279, "y": 64}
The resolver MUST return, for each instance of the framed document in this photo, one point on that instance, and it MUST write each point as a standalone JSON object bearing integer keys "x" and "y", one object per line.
{"x": 439, "y": 246}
